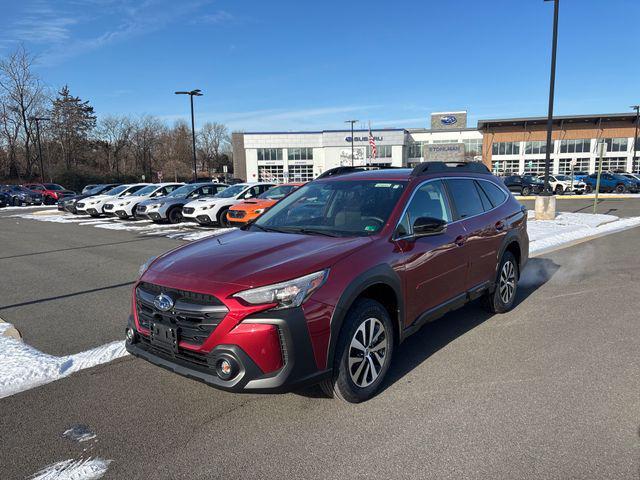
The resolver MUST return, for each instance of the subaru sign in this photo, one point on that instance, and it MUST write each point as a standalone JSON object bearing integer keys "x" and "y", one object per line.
{"x": 448, "y": 120}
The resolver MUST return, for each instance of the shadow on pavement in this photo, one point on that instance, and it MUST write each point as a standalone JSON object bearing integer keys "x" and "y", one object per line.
{"x": 436, "y": 335}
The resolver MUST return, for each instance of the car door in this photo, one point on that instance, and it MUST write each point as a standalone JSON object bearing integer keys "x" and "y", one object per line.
{"x": 435, "y": 267}
{"x": 484, "y": 230}
{"x": 515, "y": 184}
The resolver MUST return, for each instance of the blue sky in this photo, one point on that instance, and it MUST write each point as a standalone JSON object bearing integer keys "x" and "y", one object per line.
{"x": 296, "y": 65}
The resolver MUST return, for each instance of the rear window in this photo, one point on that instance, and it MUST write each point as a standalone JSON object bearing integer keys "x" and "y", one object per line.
{"x": 465, "y": 197}
{"x": 496, "y": 195}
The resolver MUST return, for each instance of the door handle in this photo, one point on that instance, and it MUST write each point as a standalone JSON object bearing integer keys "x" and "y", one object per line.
{"x": 500, "y": 225}
{"x": 460, "y": 240}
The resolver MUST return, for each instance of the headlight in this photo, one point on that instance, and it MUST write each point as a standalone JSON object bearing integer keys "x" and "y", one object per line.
{"x": 160, "y": 204}
{"x": 143, "y": 268}
{"x": 260, "y": 210}
{"x": 292, "y": 293}
{"x": 124, "y": 203}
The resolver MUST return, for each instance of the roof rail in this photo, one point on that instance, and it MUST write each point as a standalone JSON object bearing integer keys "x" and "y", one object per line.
{"x": 333, "y": 172}
{"x": 425, "y": 168}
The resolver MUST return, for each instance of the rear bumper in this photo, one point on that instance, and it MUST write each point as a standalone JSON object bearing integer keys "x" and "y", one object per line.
{"x": 298, "y": 368}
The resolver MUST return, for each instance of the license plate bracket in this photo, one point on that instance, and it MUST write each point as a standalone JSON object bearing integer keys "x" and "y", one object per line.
{"x": 164, "y": 337}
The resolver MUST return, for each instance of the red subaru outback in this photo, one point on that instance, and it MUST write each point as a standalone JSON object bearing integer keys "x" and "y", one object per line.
{"x": 324, "y": 286}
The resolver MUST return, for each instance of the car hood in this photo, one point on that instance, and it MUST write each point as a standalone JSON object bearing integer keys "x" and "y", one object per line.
{"x": 132, "y": 198}
{"x": 248, "y": 205}
{"x": 248, "y": 259}
{"x": 205, "y": 202}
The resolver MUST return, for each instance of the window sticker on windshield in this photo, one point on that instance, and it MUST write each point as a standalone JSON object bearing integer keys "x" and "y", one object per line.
{"x": 382, "y": 185}
{"x": 371, "y": 228}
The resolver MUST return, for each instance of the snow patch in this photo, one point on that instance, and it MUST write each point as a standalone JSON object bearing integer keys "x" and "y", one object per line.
{"x": 545, "y": 235}
{"x": 81, "y": 469}
{"x": 23, "y": 367}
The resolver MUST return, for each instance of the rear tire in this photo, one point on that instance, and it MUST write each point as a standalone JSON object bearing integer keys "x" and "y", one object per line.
{"x": 559, "y": 190}
{"x": 503, "y": 297}
{"x": 175, "y": 215}
{"x": 16, "y": 202}
{"x": 621, "y": 188}
{"x": 367, "y": 334}
{"x": 526, "y": 191}
{"x": 222, "y": 218}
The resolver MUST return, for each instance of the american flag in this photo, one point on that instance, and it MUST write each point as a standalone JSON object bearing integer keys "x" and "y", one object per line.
{"x": 372, "y": 144}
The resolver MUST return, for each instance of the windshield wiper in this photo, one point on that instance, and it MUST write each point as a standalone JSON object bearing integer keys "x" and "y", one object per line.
{"x": 268, "y": 229}
{"x": 312, "y": 231}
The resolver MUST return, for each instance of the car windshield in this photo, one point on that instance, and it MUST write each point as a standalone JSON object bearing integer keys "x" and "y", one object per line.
{"x": 117, "y": 190}
{"x": 231, "y": 191}
{"x": 563, "y": 178}
{"x": 334, "y": 208}
{"x": 53, "y": 186}
{"x": 18, "y": 188}
{"x": 276, "y": 193}
{"x": 183, "y": 191}
{"x": 148, "y": 190}
{"x": 532, "y": 179}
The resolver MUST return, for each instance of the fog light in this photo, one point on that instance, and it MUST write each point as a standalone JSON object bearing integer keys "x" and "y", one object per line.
{"x": 130, "y": 333}
{"x": 226, "y": 368}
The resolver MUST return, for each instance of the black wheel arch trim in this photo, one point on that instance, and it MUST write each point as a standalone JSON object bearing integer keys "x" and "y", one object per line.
{"x": 380, "y": 274}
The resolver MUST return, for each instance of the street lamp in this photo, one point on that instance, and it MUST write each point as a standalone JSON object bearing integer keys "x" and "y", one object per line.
{"x": 37, "y": 120}
{"x": 193, "y": 93}
{"x": 556, "y": 4}
{"x": 351, "y": 122}
{"x": 635, "y": 137}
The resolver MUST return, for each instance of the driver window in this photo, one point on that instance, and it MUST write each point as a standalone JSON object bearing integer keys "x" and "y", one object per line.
{"x": 429, "y": 200}
{"x": 253, "y": 192}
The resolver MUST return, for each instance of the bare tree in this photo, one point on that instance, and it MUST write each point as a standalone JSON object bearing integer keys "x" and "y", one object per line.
{"x": 213, "y": 140}
{"x": 9, "y": 131}
{"x": 114, "y": 136}
{"x": 23, "y": 93}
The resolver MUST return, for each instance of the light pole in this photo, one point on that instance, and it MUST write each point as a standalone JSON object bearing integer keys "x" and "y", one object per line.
{"x": 193, "y": 93}
{"x": 37, "y": 120}
{"x": 547, "y": 164}
{"x": 635, "y": 137}
{"x": 351, "y": 122}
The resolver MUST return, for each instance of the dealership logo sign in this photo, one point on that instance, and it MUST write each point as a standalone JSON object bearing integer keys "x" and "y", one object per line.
{"x": 449, "y": 120}
{"x": 361, "y": 139}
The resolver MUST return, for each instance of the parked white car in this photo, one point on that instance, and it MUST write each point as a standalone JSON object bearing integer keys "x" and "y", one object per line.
{"x": 126, "y": 207}
{"x": 93, "y": 205}
{"x": 562, "y": 184}
{"x": 213, "y": 210}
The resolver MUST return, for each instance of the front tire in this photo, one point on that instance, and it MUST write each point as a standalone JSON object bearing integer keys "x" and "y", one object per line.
{"x": 503, "y": 297}
{"x": 222, "y": 218}
{"x": 526, "y": 191}
{"x": 175, "y": 215}
{"x": 621, "y": 188}
{"x": 559, "y": 190}
{"x": 363, "y": 353}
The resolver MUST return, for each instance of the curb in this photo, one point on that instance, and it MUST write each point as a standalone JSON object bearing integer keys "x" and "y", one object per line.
{"x": 11, "y": 332}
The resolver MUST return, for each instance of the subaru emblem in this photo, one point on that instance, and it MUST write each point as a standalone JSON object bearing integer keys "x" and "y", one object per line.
{"x": 163, "y": 302}
{"x": 449, "y": 120}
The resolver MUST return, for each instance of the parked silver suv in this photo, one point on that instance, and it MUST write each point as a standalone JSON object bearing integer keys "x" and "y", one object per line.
{"x": 169, "y": 207}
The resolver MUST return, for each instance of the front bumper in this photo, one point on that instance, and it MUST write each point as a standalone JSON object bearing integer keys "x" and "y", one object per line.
{"x": 93, "y": 211}
{"x": 298, "y": 363}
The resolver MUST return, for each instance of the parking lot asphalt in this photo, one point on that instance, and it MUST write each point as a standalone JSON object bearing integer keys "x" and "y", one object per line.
{"x": 548, "y": 390}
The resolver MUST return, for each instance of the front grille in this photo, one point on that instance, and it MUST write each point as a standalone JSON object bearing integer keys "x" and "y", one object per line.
{"x": 79, "y": 205}
{"x": 196, "y": 315}
{"x": 108, "y": 206}
{"x": 188, "y": 210}
{"x": 236, "y": 213}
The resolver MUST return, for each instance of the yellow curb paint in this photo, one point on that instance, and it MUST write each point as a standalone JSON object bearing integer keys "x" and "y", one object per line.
{"x": 11, "y": 332}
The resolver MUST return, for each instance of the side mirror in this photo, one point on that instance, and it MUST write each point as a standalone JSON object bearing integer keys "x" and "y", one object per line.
{"x": 424, "y": 226}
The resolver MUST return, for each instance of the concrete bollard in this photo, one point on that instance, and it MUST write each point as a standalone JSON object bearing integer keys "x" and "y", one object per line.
{"x": 545, "y": 207}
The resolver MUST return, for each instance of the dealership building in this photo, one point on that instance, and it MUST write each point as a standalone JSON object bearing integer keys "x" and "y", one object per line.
{"x": 516, "y": 145}
{"x": 302, "y": 156}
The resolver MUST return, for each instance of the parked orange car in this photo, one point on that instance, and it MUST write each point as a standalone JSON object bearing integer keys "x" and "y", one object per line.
{"x": 251, "y": 209}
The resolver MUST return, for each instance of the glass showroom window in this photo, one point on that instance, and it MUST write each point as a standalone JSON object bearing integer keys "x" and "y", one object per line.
{"x": 506, "y": 167}
{"x": 271, "y": 173}
{"x": 575, "y": 146}
{"x": 616, "y": 144}
{"x": 300, "y": 173}
{"x": 535, "y": 148}
{"x": 384, "y": 151}
{"x": 443, "y": 142}
{"x": 614, "y": 164}
{"x": 506, "y": 148}
{"x": 534, "y": 166}
{"x": 269, "y": 154}
{"x": 582, "y": 165}
{"x": 304, "y": 153}
{"x": 473, "y": 146}
{"x": 415, "y": 150}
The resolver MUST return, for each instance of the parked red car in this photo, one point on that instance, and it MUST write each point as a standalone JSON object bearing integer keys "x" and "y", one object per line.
{"x": 324, "y": 286}
{"x": 51, "y": 192}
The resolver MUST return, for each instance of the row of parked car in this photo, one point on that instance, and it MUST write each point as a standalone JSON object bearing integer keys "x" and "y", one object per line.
{"x": 579, "y": 183}
{"x": 206, "y": 203}
{"x": 32, "y": 194}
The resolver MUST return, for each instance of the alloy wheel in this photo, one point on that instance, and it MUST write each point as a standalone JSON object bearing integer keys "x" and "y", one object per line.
{"x": 507, "y": 284}
{"x": 367, "y": 352}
